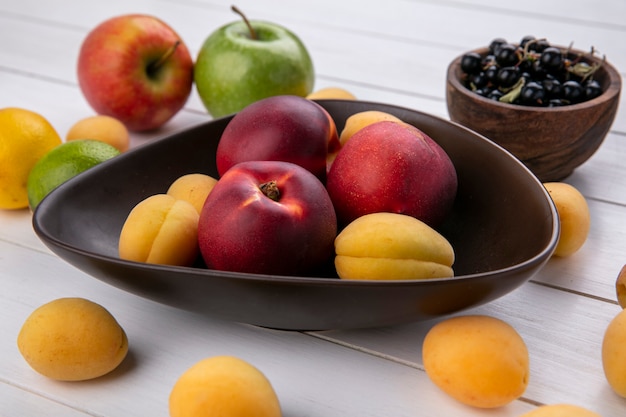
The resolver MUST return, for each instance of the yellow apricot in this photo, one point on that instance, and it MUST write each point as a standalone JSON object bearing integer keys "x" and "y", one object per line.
{"x": 161, "y": 230}
{"x": 332, "y": 93}
{"x": 574, "y": 217}
{"x": 614, "y": 353}
{"x": 223, "y": 386}
{"x": 389, "y": 246}
{"x": 479, "y": 360}
{"x": 193, "y": 188}
{"x": 620, "y": 287}
{"x": 72, "y": 339}
{"x": 358, "y": 121}
{"x": 103, "y": 128}
{"x": 560, "y": 410}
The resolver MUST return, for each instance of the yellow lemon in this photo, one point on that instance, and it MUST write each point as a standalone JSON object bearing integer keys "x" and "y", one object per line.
{"x": 25, "y": 137}
{"x": 72, "y": 339}
{"x": 103, "y": 128}
{"x": 64, "y": 162}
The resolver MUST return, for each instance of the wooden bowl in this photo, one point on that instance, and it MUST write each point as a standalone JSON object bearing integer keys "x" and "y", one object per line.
{"x": 550, "y": 141}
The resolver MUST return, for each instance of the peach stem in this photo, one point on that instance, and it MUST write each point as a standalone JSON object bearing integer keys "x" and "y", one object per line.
{"x": 270, "y": 189}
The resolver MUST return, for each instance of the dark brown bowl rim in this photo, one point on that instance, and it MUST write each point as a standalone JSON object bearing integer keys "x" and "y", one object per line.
{"x": 614, "y": 85}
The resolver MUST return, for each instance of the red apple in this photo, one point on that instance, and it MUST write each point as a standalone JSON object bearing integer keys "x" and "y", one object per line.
{"x": 267, "y": 217}
{"x": 137, "y": 69}
{"x": 392, "y": 167}
{"x": 279, "y": 128}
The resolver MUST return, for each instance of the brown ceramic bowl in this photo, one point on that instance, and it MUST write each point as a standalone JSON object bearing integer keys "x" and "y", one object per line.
{"x": 551, "y": 142}
{"x": 503, "y": 226}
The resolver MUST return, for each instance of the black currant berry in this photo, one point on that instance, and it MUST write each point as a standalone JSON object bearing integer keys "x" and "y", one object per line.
{"x": 532, "y": 94}
{"x": 556, "y": 102}
{"x": 572, "y": 91}
{"x": 538, "y": 71}
{"x": 525, "y": 40}
{"x": 551, "y": 59}
{"x": 495, "y": 44}
{"x": 471, "y": 63}
{"x": 508, "y": 76}
{"x": 483, "y": 92}
{"x": 552, "y": 87}
{"x": 495, "y": 94}
{"x": 526, "y": 65}
{"x": 491, "y": 73}
{"x": 538, "y": 46}
{"x": 488, "y": 60}
{"x": 507, "y": 55}
{"x": 478, "y": 80}
{"x": 592, "y": 89}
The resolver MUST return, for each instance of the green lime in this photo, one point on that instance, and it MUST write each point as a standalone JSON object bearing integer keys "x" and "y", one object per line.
{"x": 64, "y": 162}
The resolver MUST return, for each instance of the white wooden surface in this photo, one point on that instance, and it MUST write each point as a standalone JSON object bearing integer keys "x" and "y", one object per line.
{"x": 395, "y": 52}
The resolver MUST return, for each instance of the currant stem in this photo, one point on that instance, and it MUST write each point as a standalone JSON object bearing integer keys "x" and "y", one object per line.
{"x": 253, "y": 34}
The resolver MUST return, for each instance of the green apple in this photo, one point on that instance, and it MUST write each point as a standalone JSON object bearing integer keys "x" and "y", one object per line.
{"x": 246, "y": 61}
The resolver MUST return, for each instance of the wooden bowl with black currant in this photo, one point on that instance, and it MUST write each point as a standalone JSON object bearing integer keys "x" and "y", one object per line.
{"x": 551, "y": 107}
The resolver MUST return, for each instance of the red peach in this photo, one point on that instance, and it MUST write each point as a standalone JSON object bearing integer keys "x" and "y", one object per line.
{"x": 392, "y": 167}
{"x": 267, "y": 217}
{"x": 279, "y": 128}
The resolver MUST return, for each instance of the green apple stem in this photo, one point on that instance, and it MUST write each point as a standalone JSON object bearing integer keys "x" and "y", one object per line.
{"x": 270, "y": 189}
{"x": 154, "y": 66}
{"x": 253, "y": 34}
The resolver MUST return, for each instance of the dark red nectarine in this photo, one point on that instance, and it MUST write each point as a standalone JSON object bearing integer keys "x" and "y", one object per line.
{"x": 279, "y": 128}
{"x": 392, "y": 167}
{"x": 267, "y": 217}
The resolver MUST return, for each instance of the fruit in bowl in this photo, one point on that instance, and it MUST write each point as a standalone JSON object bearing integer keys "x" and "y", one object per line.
{"x": 279, "y": 128}
{"x": 495, "y": 250}
{"x": 392, "y": 246}
{"x": 551, "y": 136}
{"x": 267, "y": 217}
{"x": 160, "y": 229}
{"x": 392, "y": 167}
